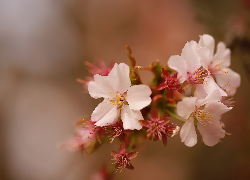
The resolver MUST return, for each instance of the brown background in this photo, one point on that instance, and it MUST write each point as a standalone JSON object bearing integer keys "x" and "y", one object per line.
{"x": 43, "y": 45}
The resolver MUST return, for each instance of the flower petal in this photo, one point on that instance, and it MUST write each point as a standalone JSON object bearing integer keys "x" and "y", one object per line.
{"x": 130, "y": 118}
{"x": 178, "y": 64}
{"x": 230, "y": 80}
{"x": 207, "y": 41}
{"x": 211, "y": 134}
{"x": 188, "y": 134}
{"x": 204, "y": 54}
{"x": 119, "y": 77}
{"x": 223, "y": 55}
{"x": 189, "y": 53}
{"x": 105, "y": 113}
{"x": 186, "y": 107}
{"x": 200, "y": 92}
{"x": 215, "y": 96}
{"x": 100, "y": 87}
{"x": 211, "y": 85}
{"x": 138, "y": 96}
{"x": 216, "y": 109}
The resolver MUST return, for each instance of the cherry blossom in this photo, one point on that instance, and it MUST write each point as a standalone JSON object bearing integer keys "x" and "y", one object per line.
{"x": 206, "y": 113}
{"x": 120, "y": 98}
{"x": 188, "y": 65}
{"x": 218, "y": 64}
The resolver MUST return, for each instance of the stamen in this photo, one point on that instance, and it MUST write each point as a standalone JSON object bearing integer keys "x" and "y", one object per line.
{"x": 204, "y": 117}
{"x": 217, "y": 68}
{"x": 198, "y": 76}
{"x": 118, "y": 101}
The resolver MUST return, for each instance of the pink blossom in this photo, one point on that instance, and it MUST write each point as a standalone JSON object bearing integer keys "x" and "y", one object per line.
{"x": 218, "y": 64}
{"x": 188, "y": 65}
{"x": 207, "y": 114}
{"x": 120, "y": 98}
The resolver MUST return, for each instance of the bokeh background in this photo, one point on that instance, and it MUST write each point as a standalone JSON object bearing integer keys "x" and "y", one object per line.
{"x": 43, "y": 46}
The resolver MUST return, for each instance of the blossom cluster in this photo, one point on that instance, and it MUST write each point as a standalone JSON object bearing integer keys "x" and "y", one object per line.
{"x": 195, "y": 87}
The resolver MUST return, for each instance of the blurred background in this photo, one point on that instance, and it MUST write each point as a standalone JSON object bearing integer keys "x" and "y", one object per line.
{"x": 43, "y": 46}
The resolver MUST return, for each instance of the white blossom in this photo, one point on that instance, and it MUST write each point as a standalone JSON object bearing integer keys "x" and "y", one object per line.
{"x": 206, "y": 113}
{"x": 120, "y": 98}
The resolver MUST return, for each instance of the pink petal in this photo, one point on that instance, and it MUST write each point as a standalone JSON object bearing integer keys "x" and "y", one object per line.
{"x": 215, "y": 96}
{"x": 130, "y": 118}
{"x": 216, "y": 109}
{"x": 230, "y": 81}
{"x": 119, "y": 77}
{"x": 211, "y": 134}
{"x": 204, "y": 55}
{"x": 207, "y": 41}
{"x": 178, "y": 64}
{"x": 100, "y": 87}
{"x": 186, "y": 107}
{"x": 223, "y": 55}
{"x": 138, "y": 96}
{"x": 189, "y": 53}
{"x": 105, "y": 113}
{"x": 188, "y": 134}
{"x": 211, "y": 85}
{"x": 200, "y": 92}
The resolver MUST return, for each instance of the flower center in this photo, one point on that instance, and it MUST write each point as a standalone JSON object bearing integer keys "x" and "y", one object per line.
{"x": 217, "y": 68}
{"x": 198, "y": 76}
{"x": 118, "y": 100}
{"x": 204, "y": 117}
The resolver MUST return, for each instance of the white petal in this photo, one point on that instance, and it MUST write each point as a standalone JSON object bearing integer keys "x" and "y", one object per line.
{"x": 223, "y": 55}
{"x": 100, "y": 87}
{"x": 211, "y": 134}
{"x": 138, "y": 96}
{"x": 178, "y": 64}
{"x": 211, "y": 85}
{"x": 189, "y": 53}
{"x": 186, "y": 107}
{"x": 188, "y": 134}
{"x": 204, "y": 54}
{"x": 200, "y": 92}
{"x": 207, "y": 41}
{"x": 130, "y": 118}
{"x": 230, "y": 81}
{"x": 105, "y": 113}
{"x": 119, "y": 77}
{"x": 215, "y": 96}
{"x": 216, "y": 109}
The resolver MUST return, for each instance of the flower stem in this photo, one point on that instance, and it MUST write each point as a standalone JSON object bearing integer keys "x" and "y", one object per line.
{"x": 171, "y": 105}
{"x": 164, "y": 93}
{"x": 132, "y": 142}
